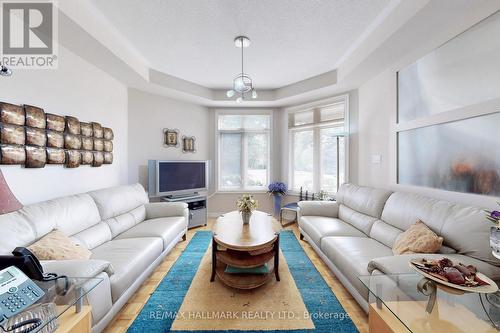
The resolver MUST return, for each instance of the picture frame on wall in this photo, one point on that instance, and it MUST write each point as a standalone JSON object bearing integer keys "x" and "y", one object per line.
{"x": 171, "y": 137}
{"x": 188, "y": 144}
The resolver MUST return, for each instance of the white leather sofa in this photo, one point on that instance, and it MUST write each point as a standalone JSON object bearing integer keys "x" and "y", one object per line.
{"x": 355, "y": 234}
{"x": 128, "y": 237}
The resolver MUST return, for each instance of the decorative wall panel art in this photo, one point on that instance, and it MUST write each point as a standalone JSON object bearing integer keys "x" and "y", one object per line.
{"x": 33, "y": 138}
{"x": 448, "y": 112}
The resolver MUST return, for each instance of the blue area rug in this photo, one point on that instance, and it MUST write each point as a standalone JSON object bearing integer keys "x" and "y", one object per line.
{"x": 326, "y": 311}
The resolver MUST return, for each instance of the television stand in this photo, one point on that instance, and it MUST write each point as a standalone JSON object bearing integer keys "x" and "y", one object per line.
{"x": 180, "y": 197}
{"x": 197, "y": 205}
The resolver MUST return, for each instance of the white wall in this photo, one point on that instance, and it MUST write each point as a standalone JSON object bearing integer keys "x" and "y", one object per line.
{"x": 76, "y": 88}
{"x": 148, "y": 115}
{"x": 377, "y": 136}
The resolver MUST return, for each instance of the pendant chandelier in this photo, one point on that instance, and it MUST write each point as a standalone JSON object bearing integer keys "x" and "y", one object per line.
{"x": 242, "y": 83}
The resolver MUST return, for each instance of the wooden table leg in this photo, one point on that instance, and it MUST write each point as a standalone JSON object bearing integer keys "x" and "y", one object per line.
{"x": 277, "y": 258}
{"x": 214, "y": 259}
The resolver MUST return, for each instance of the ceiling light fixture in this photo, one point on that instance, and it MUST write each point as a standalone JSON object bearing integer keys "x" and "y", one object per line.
{"x": 242, "y": 83}
{"x": 5, "y": 71}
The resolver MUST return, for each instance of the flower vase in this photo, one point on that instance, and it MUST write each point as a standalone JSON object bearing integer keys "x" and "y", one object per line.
{"x": 495, "y": 240}
{"x": 246, "y": 217}
{"x": 277, "y": 204}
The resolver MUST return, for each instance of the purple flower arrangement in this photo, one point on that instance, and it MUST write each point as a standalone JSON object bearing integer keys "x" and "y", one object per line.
{"x": 277, "y": 188}
{"x": 493, "y": 216}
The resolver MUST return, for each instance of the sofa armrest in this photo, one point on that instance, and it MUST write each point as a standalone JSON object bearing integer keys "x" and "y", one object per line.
{"x": 318, "y": 208}
{"x": 156, "y": 210}
{"x": 83, "y": 268}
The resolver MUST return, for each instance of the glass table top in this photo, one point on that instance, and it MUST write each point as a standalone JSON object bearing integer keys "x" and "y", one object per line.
{"x": 61, "y": 295}
{"x": 422, "y": 305}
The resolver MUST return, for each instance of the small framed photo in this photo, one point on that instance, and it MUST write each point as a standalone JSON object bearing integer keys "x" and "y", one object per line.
{"x": 188, "y": 144}
{"x": 170, "y": 137}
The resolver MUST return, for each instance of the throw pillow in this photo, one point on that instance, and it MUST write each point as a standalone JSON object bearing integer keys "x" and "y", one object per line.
{"x": 417, "y": 239}
{"x": 57, "y": 246}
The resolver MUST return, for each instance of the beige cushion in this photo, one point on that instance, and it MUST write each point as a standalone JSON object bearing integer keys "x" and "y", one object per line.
{"x": 417, "y": 239}
{"x": 57, "y": 246}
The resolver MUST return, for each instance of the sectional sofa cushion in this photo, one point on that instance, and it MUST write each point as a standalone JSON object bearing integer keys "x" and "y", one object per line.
{"x": 159, "y": 209}
{"x": 70, "y": 214}
{"x": 16, "y": 231}
{"x": 93, "y": 236}
{"x": 318, "y": 227}
{"x": 366, "y": 200}
{"x": 167, "y": 228}
{"x": 384, "y": 233}
{"x": 463, "y": 228}
{"x": 319, "y": 208}
{"x": 130, "y": 258}
{"x": 115, "y": 201}
{"x": 399, "y": 264}
{"x": 83, "y": 268}
{"x": 351, "y": 256}
{"x": 125, "y": 221}
{"x": 361, "y": 221}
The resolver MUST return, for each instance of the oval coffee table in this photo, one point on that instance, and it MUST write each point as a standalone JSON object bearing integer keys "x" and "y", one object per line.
{"x": 245, "y": 246}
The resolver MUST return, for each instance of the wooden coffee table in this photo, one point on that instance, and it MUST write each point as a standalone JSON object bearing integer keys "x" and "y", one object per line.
{"x": 245, "y": 246}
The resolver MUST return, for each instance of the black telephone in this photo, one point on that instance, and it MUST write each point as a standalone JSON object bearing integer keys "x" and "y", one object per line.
{"x": 26, "y": 261}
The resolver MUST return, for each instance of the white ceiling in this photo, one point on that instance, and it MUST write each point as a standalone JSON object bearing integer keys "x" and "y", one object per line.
{"x": 292, "y": 40}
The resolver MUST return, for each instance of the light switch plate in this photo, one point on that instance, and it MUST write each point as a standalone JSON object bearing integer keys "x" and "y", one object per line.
{"x": 376, "y": 158}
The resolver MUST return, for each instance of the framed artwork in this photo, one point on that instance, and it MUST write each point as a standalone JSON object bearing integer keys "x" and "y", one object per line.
{"x": 443, "y": 156}
{"x": 170, "y": 137}
{"x": 188, "y": 144}
{"x": 448, "y": 130}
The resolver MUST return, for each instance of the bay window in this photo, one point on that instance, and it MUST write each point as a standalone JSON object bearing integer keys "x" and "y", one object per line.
{"x": 318, "y": 145}
{"x": 243, "y": 151}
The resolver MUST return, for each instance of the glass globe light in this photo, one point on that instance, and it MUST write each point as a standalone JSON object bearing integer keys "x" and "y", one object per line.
{"x": 230, "y": 93}
{"x": 239, "y": 84}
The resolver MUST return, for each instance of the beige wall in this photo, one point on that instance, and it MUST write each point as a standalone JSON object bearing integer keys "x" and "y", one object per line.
{"x": 77, "y": 88}
{"x": 148, "y": 115}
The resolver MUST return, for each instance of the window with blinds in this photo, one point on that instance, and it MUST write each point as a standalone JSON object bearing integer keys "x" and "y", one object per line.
{"x": 318, "y": 145}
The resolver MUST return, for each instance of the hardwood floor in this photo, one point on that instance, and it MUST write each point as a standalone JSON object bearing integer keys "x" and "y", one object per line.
{"x": 127, "y": 315}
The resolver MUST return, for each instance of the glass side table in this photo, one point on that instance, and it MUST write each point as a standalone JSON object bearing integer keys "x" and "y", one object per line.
{"x": 62, "y": 297}
{"x": 412, "y": 303}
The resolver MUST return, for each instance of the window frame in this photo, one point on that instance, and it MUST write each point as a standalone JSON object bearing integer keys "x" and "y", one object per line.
{"x": 244, "y": 157}
{"x": 316, "y": 127}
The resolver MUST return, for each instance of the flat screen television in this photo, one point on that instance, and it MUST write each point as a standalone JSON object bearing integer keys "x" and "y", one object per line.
{"x": 171, "y": 178}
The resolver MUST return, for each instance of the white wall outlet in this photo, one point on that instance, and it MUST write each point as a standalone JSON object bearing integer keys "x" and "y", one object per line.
{"x": 376, "y": 158}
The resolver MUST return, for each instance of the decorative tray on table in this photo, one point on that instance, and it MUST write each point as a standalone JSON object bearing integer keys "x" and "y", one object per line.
{"x": 454, "y": 275}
